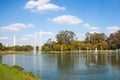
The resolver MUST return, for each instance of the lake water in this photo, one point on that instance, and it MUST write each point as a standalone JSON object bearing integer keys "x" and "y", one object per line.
{"x": 68, "y": 66}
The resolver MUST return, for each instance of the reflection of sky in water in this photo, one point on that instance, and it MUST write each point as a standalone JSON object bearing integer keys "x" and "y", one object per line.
{"x": 68, "y": 66}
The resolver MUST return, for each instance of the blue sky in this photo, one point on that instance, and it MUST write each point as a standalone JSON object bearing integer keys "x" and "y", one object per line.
{"x": 24, "y": 18}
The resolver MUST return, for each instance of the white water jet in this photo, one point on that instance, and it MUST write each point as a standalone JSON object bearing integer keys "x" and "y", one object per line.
{"x": 34, "y": 50}
{"x": 14, "y": 40}
{"x": 96, "y": 51}
{"x": 96, "y": 56}
{"x": 40, "y": 44}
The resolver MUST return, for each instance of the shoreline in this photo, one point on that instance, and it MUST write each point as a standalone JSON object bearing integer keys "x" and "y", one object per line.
{"x": 58, "y": 52}
{"x": 15, "y": 73}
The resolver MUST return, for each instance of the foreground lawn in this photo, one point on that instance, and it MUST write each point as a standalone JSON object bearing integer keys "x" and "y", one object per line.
{"x": 15, "y": 73}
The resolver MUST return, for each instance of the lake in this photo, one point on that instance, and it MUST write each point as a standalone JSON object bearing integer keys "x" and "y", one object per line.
{"x": 68, "y": 66}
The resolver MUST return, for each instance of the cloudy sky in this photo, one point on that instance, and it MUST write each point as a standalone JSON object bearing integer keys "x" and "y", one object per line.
{"x": 24, "y": 18}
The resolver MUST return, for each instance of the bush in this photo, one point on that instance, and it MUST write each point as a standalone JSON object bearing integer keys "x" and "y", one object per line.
{"x": 18, "y": 68}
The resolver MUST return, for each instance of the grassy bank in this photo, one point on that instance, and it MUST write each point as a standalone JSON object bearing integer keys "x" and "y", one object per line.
{"x": 15, "y": 73}
{"x": 14, "y": 52}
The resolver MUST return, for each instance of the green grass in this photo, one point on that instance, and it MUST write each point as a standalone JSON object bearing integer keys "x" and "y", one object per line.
{"x": 13, "y": 73}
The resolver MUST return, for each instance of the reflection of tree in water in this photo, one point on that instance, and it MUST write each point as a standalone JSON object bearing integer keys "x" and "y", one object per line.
{"x": 65, "y": 62}
{"x": 96, "y": 59}
{"x": 65, "y": 66}
{"x": 108, "y": 60}
{"x": 115, "y": 61}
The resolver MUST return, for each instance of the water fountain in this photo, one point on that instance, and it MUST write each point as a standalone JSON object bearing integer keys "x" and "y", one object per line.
{"x": 40, "y": 44}
{"x": 96, "y": 51}
{"x": 96, "y": 56}
{"x": 35, "y": 41}
{"x": 34, "y": 50}
{"x": 14, "y": 40}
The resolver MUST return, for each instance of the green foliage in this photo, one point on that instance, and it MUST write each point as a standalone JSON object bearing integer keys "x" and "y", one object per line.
{"x": 10, "y": 73}
{"x": 57, "y": 47}
{"x": 95, "y": 38}
{"x": 65, "y": 37}
{"x": 1, "y": 46}
{"x": 66, "y": 41}
{"x": 71, "y": 47}
{"x": 17, "y": 67}
{"x": 46, "y": 49}
{"x": 64, "y": 47}
{"x": 22, "y": 48}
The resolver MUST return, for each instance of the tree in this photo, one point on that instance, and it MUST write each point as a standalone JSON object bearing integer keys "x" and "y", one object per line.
{"x": 94, "y": 38}
{"x": 57, "y": 47}
{"x": 87, "y": 39}
{"x": 65, "y": 37}
{"x": 114, "y": 40}
{"x": 49, "y": 45}
{"x": 1, "y": 46}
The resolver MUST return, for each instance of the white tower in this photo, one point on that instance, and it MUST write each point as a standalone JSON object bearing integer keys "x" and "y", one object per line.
{"x": 14, "y": 40}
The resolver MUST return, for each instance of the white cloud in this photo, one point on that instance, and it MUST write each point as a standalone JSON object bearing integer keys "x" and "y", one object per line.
{"x": 3, "y": 38}
{"x": 24, "y": 39}
{"x": 45, "y": 33}
{"x": 86, "y": 25}
{"x": 16, "y": 27}
{"x": 113, "y": 29}
{"x": 29, "y": 35}
{"x": 67, "y": 19}
{"x": 94, "y": 32}
{"x": 94, "y": 28}
{"x": 42, "y": 5}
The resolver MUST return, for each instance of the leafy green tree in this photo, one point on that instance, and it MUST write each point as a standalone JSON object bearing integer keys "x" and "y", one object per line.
{"x": 71, "y": 47}
{"x": 1, "y": 46}
{"x": 65, "y": 47}
{"x": 57, "y": 47}
{"x": 94, "y": 38}
{"x": 65, "y": 37}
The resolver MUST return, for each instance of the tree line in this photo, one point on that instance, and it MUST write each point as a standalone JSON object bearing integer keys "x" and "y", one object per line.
{"x": 67, "y": 41}
{"x": 16, "y": 48}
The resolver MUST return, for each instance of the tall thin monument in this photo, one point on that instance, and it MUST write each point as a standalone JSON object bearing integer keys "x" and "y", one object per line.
{"x": 14, "y": 40}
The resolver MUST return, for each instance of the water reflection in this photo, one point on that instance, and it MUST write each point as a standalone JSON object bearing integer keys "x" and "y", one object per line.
{"x": 14, "y": 59}
{"x": 68, "y": 66}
